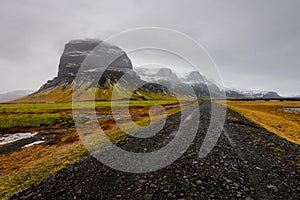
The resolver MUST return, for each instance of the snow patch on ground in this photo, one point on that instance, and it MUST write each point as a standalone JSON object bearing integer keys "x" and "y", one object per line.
{"x": 10, "y": 138}
{"x": 292, "y": 110}
{"x": 33, "y": 143}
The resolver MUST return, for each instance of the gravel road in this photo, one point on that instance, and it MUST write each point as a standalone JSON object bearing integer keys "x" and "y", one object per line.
{"x": 247, "y": 163}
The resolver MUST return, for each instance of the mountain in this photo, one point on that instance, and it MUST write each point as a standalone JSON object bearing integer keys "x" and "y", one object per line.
{"x": 14, "y": 95}
{"x": 100, "y": 54}
{"x": 250, "y": 94}
{"x": 156, "y": 74}
{"x": 271, "y": 95}
{"x": 293, "y": 96}
{"x": 199, "y": 83}
{"x": 77, "y": 50}
{"x": 143, "y": 83}
{"x": 191, "y": 84}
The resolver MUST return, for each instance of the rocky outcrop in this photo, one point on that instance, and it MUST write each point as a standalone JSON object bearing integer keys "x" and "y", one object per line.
{"x": 76, "y": 51}
{"x": 107, "y": 63}
{"x": 91, "y": 64}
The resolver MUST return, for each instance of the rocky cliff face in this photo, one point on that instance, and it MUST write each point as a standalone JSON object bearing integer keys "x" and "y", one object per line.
{"x": 151, "y": 83}
{"x": 75, "y": 70}
{"x": 76, "y": 51}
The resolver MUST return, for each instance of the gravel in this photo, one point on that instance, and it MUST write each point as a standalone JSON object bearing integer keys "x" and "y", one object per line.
{"x": 248, "y": 163}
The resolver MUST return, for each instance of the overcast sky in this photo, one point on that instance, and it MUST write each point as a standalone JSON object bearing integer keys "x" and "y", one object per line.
{"x": 256, "y": 44}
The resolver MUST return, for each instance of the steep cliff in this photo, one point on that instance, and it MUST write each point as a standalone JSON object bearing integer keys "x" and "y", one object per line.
{"x": 100, "y": 56}
{"x": 76, "y": 51}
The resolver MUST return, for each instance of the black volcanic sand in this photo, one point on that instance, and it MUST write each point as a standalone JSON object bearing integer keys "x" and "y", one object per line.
{"x": 248, "y": 162}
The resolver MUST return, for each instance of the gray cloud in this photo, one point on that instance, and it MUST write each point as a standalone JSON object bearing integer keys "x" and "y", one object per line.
{"x": 256, "y": 44}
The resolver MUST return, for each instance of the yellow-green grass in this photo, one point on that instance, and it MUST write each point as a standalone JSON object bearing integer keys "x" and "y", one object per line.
{"x": 86, "y": 92}
{"x": 272, "y": 116}
{"x": 30, "y": 165}
{"x": 34, "y": 120}
{"x": 114, "y": 132}
{"x": 39, "y": 114}
{"x": 17, "y": 108}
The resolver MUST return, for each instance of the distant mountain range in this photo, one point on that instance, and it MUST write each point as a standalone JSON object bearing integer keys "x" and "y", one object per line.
{"x": 156, "y": 82}
{"x": 189, "y": 85}
{"x": 249, "y": 94}
{"x": 199, "y": 83}
{"x": 296, "y": 96}
{"x": 14, "y": 95}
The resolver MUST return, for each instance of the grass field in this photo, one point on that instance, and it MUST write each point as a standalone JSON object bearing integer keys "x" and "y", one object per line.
{"x": 19, "y": 169}
{"x": 275, "y": 116}
{"x": 34, "y": 120}
{"x": 12, "y": 108}
{"x": 43, "y": 114}
{"x": 28, "y": 166}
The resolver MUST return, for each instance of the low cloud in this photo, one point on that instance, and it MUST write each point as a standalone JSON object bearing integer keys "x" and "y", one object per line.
{"x": 256, "y": 44}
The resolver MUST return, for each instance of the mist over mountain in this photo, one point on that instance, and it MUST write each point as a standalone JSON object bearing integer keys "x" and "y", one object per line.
{"x": 251, "y": 94}
{"x": 113, "y": 63}
{"x": 14, "y": 95}
{"x": 194, "y": 81}
{"x": 199, "y": 83}
{"x": 109, "y": 60}
{"x": 76, "y": 51}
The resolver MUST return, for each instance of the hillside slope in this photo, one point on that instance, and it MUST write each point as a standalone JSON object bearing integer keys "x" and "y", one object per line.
{"x": 88, "y": 86}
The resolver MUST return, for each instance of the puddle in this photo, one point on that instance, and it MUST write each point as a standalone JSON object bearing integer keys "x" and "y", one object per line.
{"x": 292, "y": 110}
{"x": 10, "y": 138}
{"x": 105, "y": 116}
{"x": 176, "y": 105}
{"x": 33, "y": 143}
{"x": 88, "y": 116}
{"x": 119, "y": 115}
{"x": 93, "y": 116}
